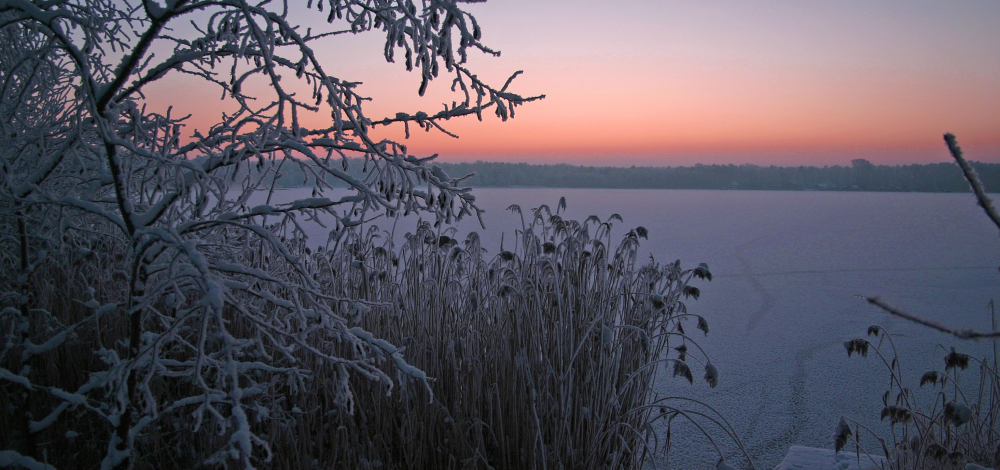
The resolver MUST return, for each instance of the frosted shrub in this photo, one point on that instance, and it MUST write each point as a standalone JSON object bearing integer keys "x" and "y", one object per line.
{"x": 152, "y": 317}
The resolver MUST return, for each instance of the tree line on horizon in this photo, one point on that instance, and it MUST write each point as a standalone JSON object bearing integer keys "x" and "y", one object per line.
{"x": 860, "y": 175}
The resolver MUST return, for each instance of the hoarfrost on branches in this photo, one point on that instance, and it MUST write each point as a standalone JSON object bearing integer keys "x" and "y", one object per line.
{"x": 116, "y": 222}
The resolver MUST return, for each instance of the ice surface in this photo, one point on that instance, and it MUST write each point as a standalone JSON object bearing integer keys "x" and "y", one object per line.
{"x": 811, "y": 458}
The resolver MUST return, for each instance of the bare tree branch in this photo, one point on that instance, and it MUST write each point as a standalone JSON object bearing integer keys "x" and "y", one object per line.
{"x": 958, "y": 333}
{"x": 973, "y": 178}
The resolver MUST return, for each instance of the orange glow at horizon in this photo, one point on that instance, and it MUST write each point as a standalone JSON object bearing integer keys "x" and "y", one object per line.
{"x": 808, "y": 85}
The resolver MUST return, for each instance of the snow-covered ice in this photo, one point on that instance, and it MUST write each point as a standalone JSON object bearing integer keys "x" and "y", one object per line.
{"x": 811, "y": 458}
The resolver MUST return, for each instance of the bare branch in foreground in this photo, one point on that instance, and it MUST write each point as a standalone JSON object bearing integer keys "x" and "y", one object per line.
{"x": 973, "y": 178}
{"x": 962, "y": 333}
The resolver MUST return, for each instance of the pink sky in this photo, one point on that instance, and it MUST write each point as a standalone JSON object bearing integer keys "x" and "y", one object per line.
{"x": 677, "y": 83}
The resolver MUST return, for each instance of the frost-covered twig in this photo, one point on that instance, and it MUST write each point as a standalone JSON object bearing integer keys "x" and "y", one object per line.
{"x": 214, "y": 310}
{"x": 958, "y": 333}
{"x": 973, "y": 178}
{"x": 987, "y": 204}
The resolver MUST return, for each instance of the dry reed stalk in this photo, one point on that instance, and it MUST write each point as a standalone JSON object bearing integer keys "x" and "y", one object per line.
{"x": 543, "y": 357}
{"x": 951, "y": 431}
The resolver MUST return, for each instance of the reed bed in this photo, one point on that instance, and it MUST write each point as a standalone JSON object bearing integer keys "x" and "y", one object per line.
{"x": 540, "y": 357}
{"x": 955, "y": 427}
{"x": 543, "y": 356}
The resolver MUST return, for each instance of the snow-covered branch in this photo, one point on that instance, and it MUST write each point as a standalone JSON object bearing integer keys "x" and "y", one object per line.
{"x": 138, "y": 251}
{"x": 973, "y": 178}
{"x": 958, "y": 333}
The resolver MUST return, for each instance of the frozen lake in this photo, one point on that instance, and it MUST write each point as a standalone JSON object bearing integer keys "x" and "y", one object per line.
{"x": 788, "y": 267}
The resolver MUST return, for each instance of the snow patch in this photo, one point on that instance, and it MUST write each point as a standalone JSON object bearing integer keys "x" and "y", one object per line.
{"x": 12, "y": 459}
{"x": 811, "y": 458}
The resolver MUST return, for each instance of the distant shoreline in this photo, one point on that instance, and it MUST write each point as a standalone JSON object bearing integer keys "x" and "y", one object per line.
{"x": 839, "y": 190}
{"x": 859, "y": 176}
{"x": 806, "y": 190}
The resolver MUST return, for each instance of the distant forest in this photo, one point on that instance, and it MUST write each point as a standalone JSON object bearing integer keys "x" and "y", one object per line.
{"x": 860, "y": 175}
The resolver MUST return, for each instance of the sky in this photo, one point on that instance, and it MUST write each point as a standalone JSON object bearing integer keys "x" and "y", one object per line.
{"x": 666, "y": 83}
